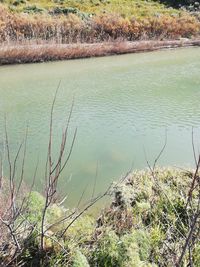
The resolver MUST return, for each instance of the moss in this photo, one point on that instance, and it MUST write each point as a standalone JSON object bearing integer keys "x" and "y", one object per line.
{"x": 197, "y": 255}
{"x": 36, "y": 204}
{"x": 158, "y": 204}
{"x": 79, "y": 260}
{"x": 79, "y": 234}
{"x": 129, "y": 250}
{"x": 107, "y": 252}
{"x": 136, "y": 248}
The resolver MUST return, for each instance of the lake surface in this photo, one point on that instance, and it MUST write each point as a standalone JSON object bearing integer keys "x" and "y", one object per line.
{"x": 124, "y": 106}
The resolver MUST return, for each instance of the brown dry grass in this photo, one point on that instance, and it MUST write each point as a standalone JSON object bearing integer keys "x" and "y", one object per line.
{"x": 71, "y": 28}
{"x": 47, "y": 52}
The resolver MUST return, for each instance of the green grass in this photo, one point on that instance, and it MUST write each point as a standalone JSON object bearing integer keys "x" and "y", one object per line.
{"x": 126, "y": 8}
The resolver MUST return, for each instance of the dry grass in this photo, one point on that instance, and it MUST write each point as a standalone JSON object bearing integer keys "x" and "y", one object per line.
{"x": 71, "y": 28}
{"x": 47, "y": 52}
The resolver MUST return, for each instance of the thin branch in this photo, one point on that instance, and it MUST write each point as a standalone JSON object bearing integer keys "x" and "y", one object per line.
{"x": 23, "y": 162}
{"x": 85, "y": 209}
{"x": 70, "y": 151}
{"x": 95, "y": 180}
{"x": 187, "y": 241}
{"x": 193, "y": 147}
{"x": 161, "y": 152}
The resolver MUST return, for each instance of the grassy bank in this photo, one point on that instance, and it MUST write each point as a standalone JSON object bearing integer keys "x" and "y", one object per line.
{"x": 29, "y": 53}
{"x": 126, "y": 8}
{"x": 52, "y": 30}
{"x": 147, "y": 224}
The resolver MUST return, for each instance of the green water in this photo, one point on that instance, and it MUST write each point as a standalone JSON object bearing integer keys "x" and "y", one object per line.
{"x": 123, "y": 107}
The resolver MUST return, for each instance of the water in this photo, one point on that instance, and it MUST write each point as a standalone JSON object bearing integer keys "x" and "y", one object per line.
{"x": 124, "y": 107}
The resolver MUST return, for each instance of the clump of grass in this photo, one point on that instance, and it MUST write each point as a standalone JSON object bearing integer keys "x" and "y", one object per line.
{"x": 148, "y": 221}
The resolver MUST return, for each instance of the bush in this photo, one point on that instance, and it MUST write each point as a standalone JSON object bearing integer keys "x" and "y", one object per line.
{"x": 32, "y": 9}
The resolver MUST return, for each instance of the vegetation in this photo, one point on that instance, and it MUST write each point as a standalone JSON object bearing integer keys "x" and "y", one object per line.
{"x": 93, "y": 21}
{"x": 48, "y": 52}
{"x": 147, "y": 224}
{"x": 126, "y": 8}
{"x": 183, "y": 3}
{"x": 154, "y": 218}
{"x": 58, "y": 22}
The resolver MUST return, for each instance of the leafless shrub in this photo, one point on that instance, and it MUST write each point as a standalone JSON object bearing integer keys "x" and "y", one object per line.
{"x": 14, "y": 213}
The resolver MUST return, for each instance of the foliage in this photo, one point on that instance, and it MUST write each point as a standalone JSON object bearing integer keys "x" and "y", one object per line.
{"x": 32, "y": 9}
{"x": 71, "y": 26}
{"x": 145, "y": 225}
{"x": 125, "y": 8}
{"x": 72, "y": 21}
{"x": 159, "y": 219}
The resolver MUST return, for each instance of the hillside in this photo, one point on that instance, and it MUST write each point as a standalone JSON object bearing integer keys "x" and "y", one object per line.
{"x": 64, "y": 22}
{"x": 126, "y": 8}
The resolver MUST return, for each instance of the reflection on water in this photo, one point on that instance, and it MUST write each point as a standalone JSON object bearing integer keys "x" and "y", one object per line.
{"x": 123, "y": 106}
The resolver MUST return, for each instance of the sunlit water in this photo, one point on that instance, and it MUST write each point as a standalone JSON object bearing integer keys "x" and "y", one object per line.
{"x": 124, "y": 107}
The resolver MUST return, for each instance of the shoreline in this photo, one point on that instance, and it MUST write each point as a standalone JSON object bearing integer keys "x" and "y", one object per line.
{"x": 33, "y": 53}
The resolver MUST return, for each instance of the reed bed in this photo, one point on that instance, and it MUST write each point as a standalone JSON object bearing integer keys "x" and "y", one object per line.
{"x": 27, "y": 53}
